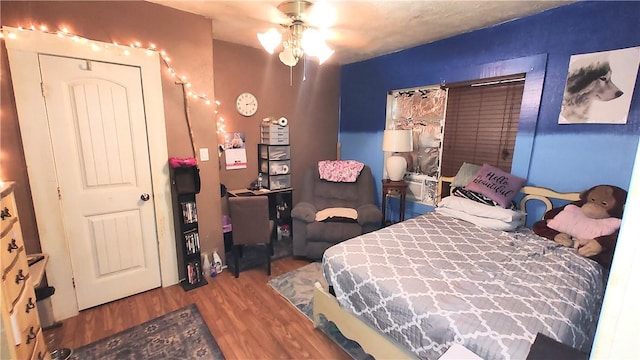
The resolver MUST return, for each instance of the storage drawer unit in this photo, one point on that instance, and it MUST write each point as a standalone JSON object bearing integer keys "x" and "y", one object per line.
{"x": 276, "y": 182}
{"x": 274, "y": 134}
{"x": 274, "y": 167}
{"x": 275, "y": 140}
{"x": 274, "y": 152}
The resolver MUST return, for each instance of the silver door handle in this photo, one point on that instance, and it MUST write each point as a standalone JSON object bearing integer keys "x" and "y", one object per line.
{"x": 145, "y": 197}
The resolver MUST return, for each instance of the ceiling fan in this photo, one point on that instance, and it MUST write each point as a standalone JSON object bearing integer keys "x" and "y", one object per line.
{"x": 300, "y": 34}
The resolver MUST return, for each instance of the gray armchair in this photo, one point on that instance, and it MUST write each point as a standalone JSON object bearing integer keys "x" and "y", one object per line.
{"x": 311, "y": 237}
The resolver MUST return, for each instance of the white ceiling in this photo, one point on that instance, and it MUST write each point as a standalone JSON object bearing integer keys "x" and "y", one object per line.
{"x": 366, "y": 29}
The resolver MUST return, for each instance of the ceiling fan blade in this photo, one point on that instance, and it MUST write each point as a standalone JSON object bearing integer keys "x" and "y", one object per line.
{"x": 277, "y": 17}
{"x": 319, "y": 14}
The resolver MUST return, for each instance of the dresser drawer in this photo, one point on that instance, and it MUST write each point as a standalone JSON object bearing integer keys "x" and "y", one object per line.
{"x": 7, "y": 208}
{"x": 25, "y": 309}
{"x": 40, "y": 349}
{"x": 10, "y": 244}
{"x": 14, "y": 280}
{"x": 30, "y": 339}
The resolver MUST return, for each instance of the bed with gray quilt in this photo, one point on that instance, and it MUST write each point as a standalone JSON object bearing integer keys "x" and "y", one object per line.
{"x": 434, "y": 281}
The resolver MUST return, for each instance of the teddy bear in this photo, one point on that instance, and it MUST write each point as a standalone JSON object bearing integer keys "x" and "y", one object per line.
{"x": 589, "y": 225}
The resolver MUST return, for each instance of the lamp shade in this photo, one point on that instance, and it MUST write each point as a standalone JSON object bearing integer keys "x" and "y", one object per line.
{"x": 270, "y": 40}
{"x": 397, "y": 141}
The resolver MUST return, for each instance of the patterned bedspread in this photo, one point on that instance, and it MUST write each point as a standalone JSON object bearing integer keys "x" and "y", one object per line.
{"x": 433, "y": 281}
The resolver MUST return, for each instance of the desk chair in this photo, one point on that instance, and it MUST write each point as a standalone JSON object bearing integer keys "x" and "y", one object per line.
{"x": 251, "y": 226}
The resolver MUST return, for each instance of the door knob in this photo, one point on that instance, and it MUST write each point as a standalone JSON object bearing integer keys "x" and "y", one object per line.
{"x": 144, "y": 197}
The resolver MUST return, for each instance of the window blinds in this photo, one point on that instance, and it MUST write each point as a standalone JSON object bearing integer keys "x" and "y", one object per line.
{"x": 481, "y": 124}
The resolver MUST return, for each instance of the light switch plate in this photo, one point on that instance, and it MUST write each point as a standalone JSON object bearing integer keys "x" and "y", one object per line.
{"x": 204, "y": 154}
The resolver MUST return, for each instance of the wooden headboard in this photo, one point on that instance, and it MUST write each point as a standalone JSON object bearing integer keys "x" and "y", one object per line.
{"x": 530, "y": 193}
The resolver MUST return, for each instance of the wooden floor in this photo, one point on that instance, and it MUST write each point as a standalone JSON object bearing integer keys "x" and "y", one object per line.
{"x": 248, "y": 319}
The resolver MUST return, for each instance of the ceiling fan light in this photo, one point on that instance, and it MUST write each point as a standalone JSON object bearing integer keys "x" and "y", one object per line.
{"x": 298, "y": 39}
{"x": 312, "y": 42}
{"x": 324, "y": 54}
{"x": 270, "y": 40}
{"x": 287, "y": 57}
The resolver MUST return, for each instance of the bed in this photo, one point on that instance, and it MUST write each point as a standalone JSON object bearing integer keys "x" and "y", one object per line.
{"x": 414, "y": 289}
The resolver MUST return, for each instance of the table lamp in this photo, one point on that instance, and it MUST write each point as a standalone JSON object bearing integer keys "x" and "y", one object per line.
{"x": 397, "y": 141}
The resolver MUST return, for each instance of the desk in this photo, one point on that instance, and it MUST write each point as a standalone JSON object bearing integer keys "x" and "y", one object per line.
{"x": 36, "y": 271}
{"x": 45, "y": 310}
{"x": 393, "y": 188}
{"x": 280, "y": 201}
{"x": 248, "y": 192}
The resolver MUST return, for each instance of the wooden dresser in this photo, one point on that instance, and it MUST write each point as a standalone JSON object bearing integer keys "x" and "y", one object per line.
{"x": 21, "y": 331}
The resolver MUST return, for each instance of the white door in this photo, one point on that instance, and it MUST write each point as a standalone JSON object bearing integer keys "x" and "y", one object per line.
{"x": 98, "y": 131}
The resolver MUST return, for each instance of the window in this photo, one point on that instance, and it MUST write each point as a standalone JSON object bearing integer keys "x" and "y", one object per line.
{"x": 481, "y": 123}
{"x": 421, "y": 110}
{"x": 474, "y": 122}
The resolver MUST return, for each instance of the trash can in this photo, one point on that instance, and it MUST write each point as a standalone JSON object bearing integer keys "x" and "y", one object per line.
{"x": 47, "y": 321}
{"x": 45, "y": 312}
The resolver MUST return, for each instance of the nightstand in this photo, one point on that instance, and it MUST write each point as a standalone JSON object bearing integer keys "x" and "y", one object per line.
{"x": 395, "y": 188}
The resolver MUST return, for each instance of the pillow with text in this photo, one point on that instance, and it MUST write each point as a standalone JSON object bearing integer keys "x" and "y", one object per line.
{"x": 496, "y": 184}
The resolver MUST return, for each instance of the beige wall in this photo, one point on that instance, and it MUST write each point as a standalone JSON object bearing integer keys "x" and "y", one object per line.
{"x": 310, "y": 105}
{"x": 187, "y": 40}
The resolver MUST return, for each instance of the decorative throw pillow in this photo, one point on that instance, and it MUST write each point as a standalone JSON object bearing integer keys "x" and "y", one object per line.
{"x": 571, "y": 220}
{"x": 496, "y": 184}
{"x": 340, "y": 170}
{"x": 466, "y": 172}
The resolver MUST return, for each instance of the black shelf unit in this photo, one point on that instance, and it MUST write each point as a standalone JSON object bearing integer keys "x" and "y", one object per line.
{"x": 185, "y": 184}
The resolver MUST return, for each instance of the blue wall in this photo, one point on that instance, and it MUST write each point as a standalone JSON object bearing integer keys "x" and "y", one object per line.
{"x": 562, "y": 157}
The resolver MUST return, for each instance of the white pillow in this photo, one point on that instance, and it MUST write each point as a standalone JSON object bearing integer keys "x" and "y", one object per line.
{"x": 481, "y": 210}
{"x": 480, "y": 221}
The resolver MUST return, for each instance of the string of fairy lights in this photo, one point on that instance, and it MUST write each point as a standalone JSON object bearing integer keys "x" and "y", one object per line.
{"x": 151, "y": 49}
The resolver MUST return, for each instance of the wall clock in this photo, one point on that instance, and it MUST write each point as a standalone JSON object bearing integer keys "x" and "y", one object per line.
{"x": 246, "y": 104}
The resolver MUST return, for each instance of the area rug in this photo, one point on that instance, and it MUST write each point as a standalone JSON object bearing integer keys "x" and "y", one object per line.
{"x": 253, "y": 256}
{"x": 181, "y": 334}
{"x": 297, "y": 287}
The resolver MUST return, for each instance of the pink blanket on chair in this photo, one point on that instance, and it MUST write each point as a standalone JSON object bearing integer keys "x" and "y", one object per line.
{"x": 340, "y": 170}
